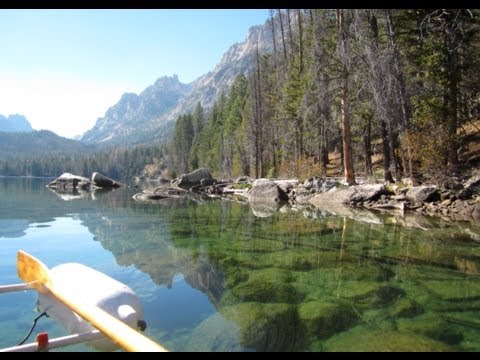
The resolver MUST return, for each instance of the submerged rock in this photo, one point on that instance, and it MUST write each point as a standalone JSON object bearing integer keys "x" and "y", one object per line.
{"x": 406, "y": 308}
{"x": 266, "y": 327}
{"x": 433, "y": 326}
{"x": 454, "y": 290}
{"x": 264, "y": 210}
{"x": 362, "y": 339}
{"x": 267, "y": 290}
{"x": 215, "y": 334}
{"x": 322, "y": 319}
{"x": 163, "y": 192}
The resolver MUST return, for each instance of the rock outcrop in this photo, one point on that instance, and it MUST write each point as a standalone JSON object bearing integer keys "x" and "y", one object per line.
{"x": 68, "y": 181}
{"x": 192, "y": 179}
{"x": 70, "y": 184}
{"x": 266, "y": 191}
{"x": 103, "y": 181}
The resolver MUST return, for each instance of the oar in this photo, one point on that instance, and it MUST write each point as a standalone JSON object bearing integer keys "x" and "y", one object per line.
{"x": 34, "y": 272}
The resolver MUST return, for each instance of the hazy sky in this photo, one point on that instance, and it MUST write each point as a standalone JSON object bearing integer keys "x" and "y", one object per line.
{"x": 63, "y": 69}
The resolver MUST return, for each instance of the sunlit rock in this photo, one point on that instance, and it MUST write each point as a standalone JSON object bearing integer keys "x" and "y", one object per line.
{"x": 266, "y": 191}
{"x": 68, "y": 181}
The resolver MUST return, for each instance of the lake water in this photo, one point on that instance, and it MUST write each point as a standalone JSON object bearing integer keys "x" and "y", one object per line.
{"x": 213, "y": 276}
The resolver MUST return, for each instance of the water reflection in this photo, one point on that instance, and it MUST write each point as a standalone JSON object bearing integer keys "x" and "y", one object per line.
{"x": 289, "y": 283}
{"x": 13, "y": 228}
{"x": 222, "y": 278}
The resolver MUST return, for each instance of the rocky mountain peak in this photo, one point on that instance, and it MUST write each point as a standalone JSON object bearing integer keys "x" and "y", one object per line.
{"x": 131, "y": 120}
{"x": 151, "y": 115}
{"x": 15, "y": 123}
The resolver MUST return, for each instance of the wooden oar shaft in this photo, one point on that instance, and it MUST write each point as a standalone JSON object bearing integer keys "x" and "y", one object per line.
{"x": 33, "y": 271}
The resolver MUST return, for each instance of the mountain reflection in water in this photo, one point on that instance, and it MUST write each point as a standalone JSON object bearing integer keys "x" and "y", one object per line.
{"x": 214, "y": 276}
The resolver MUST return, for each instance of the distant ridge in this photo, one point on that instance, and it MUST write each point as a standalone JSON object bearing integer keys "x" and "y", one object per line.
{"x": 38, "y": 143}
{"x": 15, "y": 123}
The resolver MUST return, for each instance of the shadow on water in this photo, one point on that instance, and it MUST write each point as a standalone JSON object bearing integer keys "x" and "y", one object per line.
{"x": 293, "y": 280}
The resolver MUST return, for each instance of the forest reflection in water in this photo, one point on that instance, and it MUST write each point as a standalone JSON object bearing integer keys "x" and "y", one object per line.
{"x": 296, "y": 279}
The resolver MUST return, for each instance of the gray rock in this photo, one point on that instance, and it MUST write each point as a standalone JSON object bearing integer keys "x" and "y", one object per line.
{"x": 473, "y": 183}
{"x": 422, "y": 194}
{"x": 476, "y": 213}
{"x": 332, "y": 198}
{"x": 193, "y": 178}
{"x": 103, "y": 181}
{"x": 162, "y": 192}
{"x": 319, "y": 184}
{"x": 68, "y": 182}
{"x": 207, "y": 182}
{"x": 266, "y": 191}
{"x": 286, "y": 185}
{"x": 367, "y": 192}
{"x": 352, "y": 194}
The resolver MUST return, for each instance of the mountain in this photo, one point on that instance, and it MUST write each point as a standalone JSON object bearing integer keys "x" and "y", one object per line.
{"x": 14, "y": 123}
{"x": 238, "y": 59}
{"x": 151, "y": 115}
{"x": 132, "y": 119}
{"x": 38, "y": 143}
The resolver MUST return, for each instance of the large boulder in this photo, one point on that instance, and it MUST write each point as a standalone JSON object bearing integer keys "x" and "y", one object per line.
{"x": 267, "y": 191}
{"x": 193, "y": 178}
{"x": 103, "y": 181}
{"x": 70, "y": 182}
{"x": 423, "y": 194}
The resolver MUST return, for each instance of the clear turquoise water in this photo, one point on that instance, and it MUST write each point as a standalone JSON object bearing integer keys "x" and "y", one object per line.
{"x": 214, "y": 277}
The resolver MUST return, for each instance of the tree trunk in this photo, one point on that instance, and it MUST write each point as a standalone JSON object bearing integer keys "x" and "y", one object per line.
{"x": 283, "y": 36}
{"x": 260, "y": 122}
{"x": 404, "y": 122}
{"x": 344, "y": 102}
{"x": 452, "y": 45}
{"x": 323, "y": 83}
{"x": 387, "y": 173}
{"x": 300, "y": 41}
{"x": 367, "y": 146}
{"x": 290, "y": 33}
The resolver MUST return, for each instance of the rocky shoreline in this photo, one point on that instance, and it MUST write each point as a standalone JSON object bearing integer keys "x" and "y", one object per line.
{"x": 459, "y": 202}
